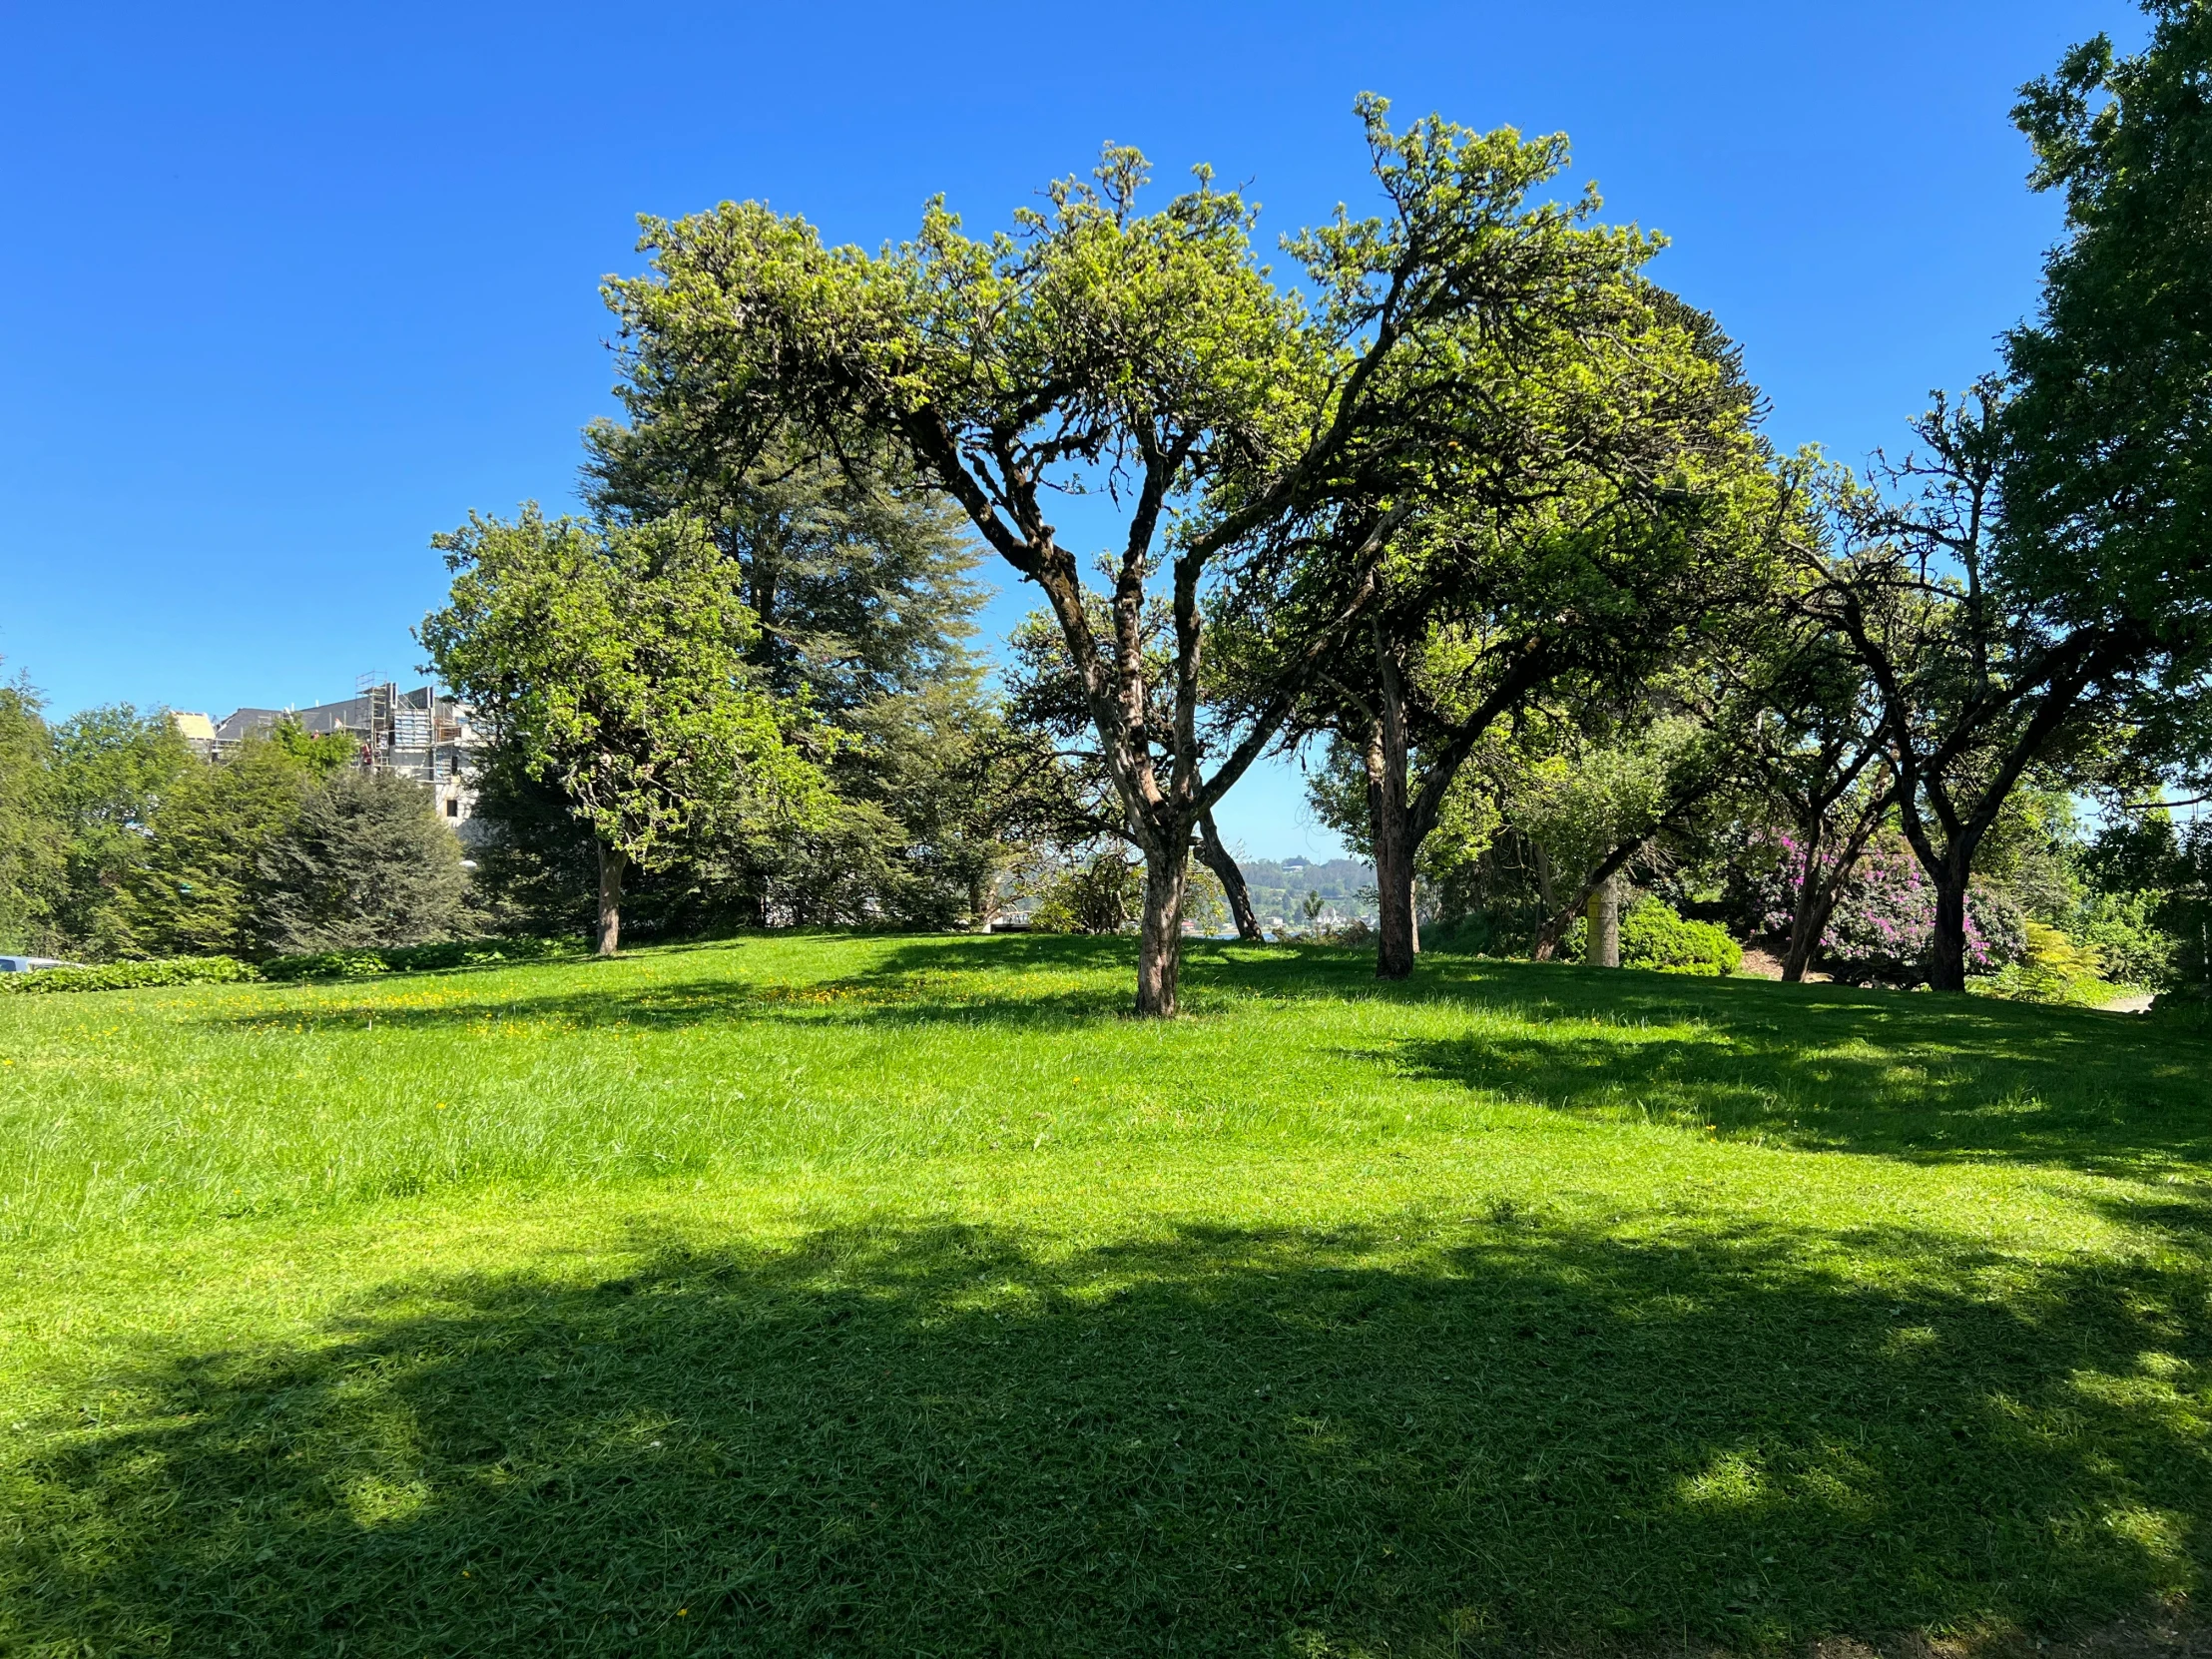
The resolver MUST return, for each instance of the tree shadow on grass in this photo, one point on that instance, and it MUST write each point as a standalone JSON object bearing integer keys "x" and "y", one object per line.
{"x": 1511, "y": 1437}
{"x": 1919, "y": 1076}
{"x": 1870, "y": 1071}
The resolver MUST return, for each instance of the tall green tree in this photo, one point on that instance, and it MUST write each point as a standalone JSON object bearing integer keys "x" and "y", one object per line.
{"x": 611, "y": 661}
{"x": 2046, "y": 577}
{"x": 2107, "y": 439}
{"x": 112, "y": 768}
{"x": 1622, "y": 516}
{"x": 1149, "y": 357}
{"x": 859, "y": 577}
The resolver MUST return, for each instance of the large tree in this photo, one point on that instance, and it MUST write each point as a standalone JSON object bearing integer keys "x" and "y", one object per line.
{"x": 1618, "y": 513}
{"x": 859, "y": 577}
{"x": 1976, "y": 684}
{"x": 1150, "y": 360}
{"x": 2045, "y": 576}
{"x": 2107, "y": 439}
{"x": 611, "y": 661}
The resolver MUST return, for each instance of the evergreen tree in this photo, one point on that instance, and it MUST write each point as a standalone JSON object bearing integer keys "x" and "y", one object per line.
{"x": 610, "y": 663}
{"x": 193, "y": 889}
{"x": 859, "y": 582}
{"x": 367, "y": 863}
{"x": 112, "y": 766}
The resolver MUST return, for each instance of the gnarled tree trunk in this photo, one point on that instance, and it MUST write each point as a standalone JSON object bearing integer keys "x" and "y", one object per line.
{"x": 1160, "y": 942}
{"x": 1946, "y": 951}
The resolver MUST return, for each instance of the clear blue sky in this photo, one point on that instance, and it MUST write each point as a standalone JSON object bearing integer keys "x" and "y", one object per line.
{"x": 287, "y": 289}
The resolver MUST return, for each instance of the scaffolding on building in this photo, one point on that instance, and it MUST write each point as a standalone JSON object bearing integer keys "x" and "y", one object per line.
{"x": 419, "y": 735}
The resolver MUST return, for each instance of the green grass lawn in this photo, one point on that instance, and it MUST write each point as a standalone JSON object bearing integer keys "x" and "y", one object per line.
{"x": 836, "y": 1296}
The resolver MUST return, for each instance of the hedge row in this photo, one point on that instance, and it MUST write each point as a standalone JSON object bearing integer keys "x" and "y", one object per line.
{"x": 326, "y": 964}
{"x": 129, "y": 977}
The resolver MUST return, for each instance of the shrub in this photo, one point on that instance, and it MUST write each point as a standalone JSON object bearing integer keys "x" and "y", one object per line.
{"x": 2123, "y": 930}
{"x": 129, "y": 977}
{"x": 1105, "y": 895}
{"x": 2053, "y": 968}
{"x": 366, "y": 863}
{"x": 1654, "y": 936}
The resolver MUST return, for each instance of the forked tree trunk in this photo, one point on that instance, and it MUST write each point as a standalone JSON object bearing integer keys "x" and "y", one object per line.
{"x": 1816, "y": 905}
{"x": 1217, "y": 859}
{"x": 1819, "y": 895}
{"x": 1160, "y": 943}
{"x": 1605, "y": 925}
{"x": 613, "y": 865}
{"x": 1809, "y": 916}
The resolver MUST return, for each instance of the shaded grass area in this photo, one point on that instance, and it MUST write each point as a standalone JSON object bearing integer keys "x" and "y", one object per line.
{"x": 1520, "y": 1309}
{"x": 956, "y": 1436}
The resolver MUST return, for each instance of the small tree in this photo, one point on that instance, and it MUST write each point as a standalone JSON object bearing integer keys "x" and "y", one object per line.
{"x": 112, "y": 768}
{"x": 1974, "y": 686}
{"x": 366, "y": 863}
{"x": 611, "y": 661}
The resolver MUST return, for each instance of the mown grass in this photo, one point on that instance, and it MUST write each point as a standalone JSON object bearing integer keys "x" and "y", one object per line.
{"x": 828, "y": 1295}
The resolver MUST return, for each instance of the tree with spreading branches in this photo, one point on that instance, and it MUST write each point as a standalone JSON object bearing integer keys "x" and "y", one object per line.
{"x": 1149, "y": 358}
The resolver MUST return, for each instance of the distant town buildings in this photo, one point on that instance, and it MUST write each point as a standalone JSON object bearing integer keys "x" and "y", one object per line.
{"x": 418, "y": 734}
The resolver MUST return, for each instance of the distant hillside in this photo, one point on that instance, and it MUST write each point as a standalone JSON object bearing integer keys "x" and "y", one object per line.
{"x": 1278, "y": 890}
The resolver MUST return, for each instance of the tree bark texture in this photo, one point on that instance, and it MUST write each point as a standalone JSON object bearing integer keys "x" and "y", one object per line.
{"x": 613, "y": 865}
{"x": 1217, "y": 859}
{"x": 1947, "y": 952}
{"x": 1605, "y": 925}
{"x": 1160, "y": 943}
{"x": 1390, "y": 831}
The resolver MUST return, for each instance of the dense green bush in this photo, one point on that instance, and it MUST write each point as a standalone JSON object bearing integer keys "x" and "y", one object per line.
{"x": 1654, "y": 936}
{"x": 2055, "y": 968}
{"x": 129, "y": 977}
{"x": 2123, "y": 930}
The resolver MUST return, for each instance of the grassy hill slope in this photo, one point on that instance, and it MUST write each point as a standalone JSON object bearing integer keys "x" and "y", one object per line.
{"x": 851, "y": 1296}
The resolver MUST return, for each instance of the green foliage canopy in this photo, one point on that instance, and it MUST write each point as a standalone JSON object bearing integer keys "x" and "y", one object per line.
{"x": 611, "y": 661}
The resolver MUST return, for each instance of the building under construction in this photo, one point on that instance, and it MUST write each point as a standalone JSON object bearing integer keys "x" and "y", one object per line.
{"x": 418, "y": 734}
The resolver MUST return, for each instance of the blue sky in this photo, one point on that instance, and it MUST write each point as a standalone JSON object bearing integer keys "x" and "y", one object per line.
{"x": 287, "y": 289}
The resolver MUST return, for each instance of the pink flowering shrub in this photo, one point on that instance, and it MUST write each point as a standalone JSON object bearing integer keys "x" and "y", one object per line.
{"x": 1884, "y": 921}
